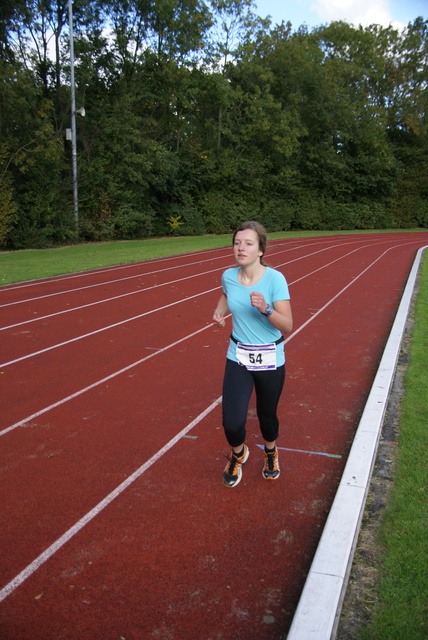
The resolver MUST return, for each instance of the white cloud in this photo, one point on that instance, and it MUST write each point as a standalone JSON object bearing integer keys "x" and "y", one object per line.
{"x": 356, "y": 12}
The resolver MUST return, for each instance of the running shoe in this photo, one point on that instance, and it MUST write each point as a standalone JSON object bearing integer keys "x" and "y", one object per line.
{"x": 271, "y": 468}
{"x": 233, "y": 473}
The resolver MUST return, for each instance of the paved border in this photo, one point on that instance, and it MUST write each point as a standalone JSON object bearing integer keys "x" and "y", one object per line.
{"x": 318, "y": 611}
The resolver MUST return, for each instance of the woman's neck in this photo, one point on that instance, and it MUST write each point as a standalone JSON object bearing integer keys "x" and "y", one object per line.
{"x": 251, "y": 274}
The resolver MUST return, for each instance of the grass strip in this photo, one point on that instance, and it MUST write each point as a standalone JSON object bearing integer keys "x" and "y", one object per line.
{"x": 32, "y": 264}
{"x": 401, "y": 612}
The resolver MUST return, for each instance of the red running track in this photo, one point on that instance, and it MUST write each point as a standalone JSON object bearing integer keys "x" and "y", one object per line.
{"x": 115, "y": 523}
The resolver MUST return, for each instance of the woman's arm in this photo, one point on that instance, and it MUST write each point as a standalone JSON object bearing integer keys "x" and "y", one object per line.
{"x": 221, "y": 310}
{"x": 281, "y": 317}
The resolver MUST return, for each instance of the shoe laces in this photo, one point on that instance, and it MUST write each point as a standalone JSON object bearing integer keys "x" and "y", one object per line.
{"x": 272, "y": 460}
{"x": 233, "y": 463}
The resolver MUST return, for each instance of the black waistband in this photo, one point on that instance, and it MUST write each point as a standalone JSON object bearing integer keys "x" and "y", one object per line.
{"x": 281, "y": 339}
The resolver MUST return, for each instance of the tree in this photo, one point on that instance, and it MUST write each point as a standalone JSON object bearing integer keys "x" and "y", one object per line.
{"x": 200, "y": 114}
{"x": 234, "y": 23}
{"x": 408, "y": 127}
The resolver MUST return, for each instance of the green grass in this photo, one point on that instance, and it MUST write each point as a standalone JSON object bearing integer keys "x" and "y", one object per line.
{"x": 19, "y": 266}
{"x": 31, "y": 264}
{"x": 402, "y": 612}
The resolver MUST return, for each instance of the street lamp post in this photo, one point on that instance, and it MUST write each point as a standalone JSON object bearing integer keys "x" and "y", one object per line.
{"x": 73, "y": 121}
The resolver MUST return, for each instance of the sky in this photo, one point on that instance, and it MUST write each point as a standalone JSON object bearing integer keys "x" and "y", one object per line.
{"x": 314, "y": 13}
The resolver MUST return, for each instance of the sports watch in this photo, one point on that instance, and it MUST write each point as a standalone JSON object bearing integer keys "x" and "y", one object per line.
{"x": 268, "y": 311}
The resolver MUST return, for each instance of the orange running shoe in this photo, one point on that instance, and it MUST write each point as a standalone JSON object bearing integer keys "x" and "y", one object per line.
{"x": 233, "y": 472}
{"x": 271, "y": 468}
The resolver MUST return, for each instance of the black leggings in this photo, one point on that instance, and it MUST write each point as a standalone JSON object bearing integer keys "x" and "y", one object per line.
{"x": 238, "y": 386}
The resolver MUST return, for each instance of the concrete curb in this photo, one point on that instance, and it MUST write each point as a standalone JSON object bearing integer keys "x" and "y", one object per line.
{"x": 318, "y": 611}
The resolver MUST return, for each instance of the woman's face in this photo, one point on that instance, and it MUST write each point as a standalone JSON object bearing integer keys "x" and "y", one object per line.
{"x": 246, "y": 248}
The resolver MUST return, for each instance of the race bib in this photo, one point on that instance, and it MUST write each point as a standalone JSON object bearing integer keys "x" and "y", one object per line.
{"x": 256, "y": 357}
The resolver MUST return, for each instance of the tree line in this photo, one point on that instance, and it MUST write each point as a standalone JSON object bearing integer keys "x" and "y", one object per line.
{"x": 200, "y": 113}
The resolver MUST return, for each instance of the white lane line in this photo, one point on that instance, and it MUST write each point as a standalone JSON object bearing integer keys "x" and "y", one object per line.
{"x": 93, "y": 304}
{"x": 140, "y": 275}
{"x": 306, "y": 451}
{"x": 60, "y": 542}
{"x": 106, "y": 282}
{"x": 327, "y": 304}
{"x": 102, "y": 381}
{"x": 111, "y": 326}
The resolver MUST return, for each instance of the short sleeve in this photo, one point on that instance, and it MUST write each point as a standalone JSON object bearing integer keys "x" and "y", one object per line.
{"x": 280, "y": 288}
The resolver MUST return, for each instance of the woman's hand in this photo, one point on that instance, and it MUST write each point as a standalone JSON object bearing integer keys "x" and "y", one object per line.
{"x": 281, "y": 318}
{"x": 219, "y": 320}
{"x": 258, "y": 301}
{"x": 221, "y": 310}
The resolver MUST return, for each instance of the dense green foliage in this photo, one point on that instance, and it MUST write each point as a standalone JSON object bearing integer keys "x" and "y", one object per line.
{"x": 199, "y": 114}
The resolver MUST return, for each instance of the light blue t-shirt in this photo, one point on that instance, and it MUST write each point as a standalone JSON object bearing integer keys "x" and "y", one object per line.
{"x": 248, "y": 324}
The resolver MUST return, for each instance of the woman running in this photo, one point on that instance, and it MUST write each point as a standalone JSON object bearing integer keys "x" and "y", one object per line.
{"x": 257, "y": 296}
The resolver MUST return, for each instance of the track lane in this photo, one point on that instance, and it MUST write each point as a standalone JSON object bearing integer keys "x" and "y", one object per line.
{"x": 87, "y": 319}
{"x": 97, "y": 277}
{"x": 235, "y": 610}
{"x": 174, "y": 567}
{"x": 31, "y": 390}
{"x": 37, "y": 305}
{"x": 69, "y": 368}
